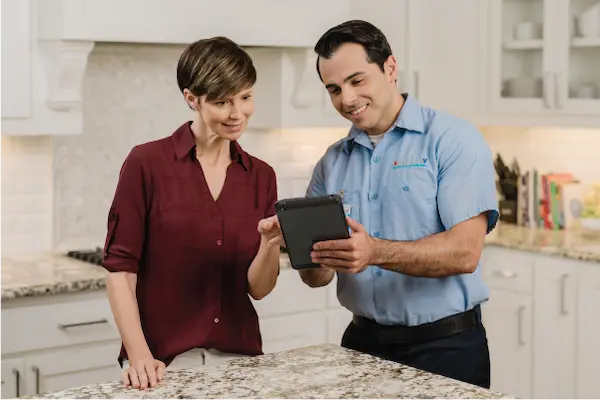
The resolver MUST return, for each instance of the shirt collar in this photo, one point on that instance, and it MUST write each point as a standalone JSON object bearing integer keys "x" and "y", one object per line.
{"x": 410, "y": 119}
{"x": 183, "y": 142}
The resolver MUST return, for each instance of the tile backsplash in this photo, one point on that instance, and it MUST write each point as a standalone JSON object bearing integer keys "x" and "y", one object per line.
{"x": 56, "y": 191}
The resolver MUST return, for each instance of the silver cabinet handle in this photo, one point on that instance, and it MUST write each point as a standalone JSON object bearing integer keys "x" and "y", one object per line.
{"x": 548, "y": 89}
{"x": 560, "y": 96}
{"x": 36, "y": 370}
{"x": 18, "y": 381}
{"x": 67, "y": 326}
{"x": 505, "y": 274}
{"x": 520, "y": 326}
{"x": 563, "y": 307}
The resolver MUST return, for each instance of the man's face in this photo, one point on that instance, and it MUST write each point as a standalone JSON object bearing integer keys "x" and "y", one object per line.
{"x": 358, "y": 89}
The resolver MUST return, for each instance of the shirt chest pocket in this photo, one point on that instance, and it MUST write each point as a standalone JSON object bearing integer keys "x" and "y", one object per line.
{"x": 417, "y": 183}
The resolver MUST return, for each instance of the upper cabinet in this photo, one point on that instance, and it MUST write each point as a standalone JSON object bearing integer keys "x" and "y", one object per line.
{"x": 545, "y": 57}
{"x": 439, "y": 47}
{"x": 44, "y": 59}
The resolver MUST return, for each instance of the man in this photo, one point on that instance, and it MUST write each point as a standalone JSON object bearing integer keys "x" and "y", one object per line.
{"x": 418, "y": 188}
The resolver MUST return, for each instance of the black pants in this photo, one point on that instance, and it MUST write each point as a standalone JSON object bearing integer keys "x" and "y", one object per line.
{"x": 463, "y": 356}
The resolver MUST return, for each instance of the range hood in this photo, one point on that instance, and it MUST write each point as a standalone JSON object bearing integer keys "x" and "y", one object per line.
{"x": 62, "y": 33}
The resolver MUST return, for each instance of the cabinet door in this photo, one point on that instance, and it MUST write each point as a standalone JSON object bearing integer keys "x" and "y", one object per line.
{"x": 13, "y": 378}
{"x": 72, "y": 367}
{"x": 588, "y": 326}
{"x": 16, "y": 58}
{"x": 522, "y": 61}
{"x": 391, "y": 17}
{"x": 578, "y": 70}
{"x": 507, "y": 318}
{"x": 446, "y": 46}
{"x": 555, "y": 327}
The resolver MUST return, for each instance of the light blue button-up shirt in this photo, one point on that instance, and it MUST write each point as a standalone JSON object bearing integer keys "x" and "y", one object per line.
{"x": 430, "y": 172}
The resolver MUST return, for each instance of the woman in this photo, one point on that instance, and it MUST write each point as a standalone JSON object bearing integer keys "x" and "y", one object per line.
{"x": 188, "y": 231}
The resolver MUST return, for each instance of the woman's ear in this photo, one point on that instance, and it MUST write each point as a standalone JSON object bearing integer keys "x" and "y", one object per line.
{"x": 191, "y": 99}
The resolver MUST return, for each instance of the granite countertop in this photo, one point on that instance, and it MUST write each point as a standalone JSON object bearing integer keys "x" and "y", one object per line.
{"x": 45, "y": 274}
{"x": 578, "y": 245}
{"x": 324, "y": 371}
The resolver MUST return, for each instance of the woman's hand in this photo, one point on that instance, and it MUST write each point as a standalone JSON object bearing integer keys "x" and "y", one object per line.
{"x": 143, "y": 373}
{"x": 270, "y": 229}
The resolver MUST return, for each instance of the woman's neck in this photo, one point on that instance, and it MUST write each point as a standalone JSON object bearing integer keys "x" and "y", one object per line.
{"x": 209, "y": 146}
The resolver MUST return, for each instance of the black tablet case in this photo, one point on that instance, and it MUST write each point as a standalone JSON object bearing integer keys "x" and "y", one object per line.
{"x": 305, "y": 221}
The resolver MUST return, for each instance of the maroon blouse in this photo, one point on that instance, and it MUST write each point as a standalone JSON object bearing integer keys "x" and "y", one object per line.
{"x": 191, "y": 253}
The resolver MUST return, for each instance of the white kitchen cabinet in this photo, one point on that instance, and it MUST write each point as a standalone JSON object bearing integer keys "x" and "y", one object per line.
{"x": 72, "y": 368}
{"x": 508, "y": 319}
{"x": 555, "y": 323}
{"x": 588, "y": 328}
{"x": 538, "y": 65}
{"x": 446, "y": 48}
{"x": 13, "y": 378}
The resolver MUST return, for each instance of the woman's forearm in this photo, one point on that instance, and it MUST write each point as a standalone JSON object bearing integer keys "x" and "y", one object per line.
{"x": 262, "y": 274}
{"x": 123, "y": 302}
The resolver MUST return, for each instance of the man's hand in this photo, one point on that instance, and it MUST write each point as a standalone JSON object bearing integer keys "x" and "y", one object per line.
{"x": 350, "y": 256}
{"x": 270, "y": 229}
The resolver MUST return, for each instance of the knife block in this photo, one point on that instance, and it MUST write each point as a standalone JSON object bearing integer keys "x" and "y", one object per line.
{"x": 508, "y": 211}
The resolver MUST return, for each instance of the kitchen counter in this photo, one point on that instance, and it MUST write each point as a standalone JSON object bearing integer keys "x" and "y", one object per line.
{"x": 35, "y": 275}
{"x": 324, "y": 371}
{"x": 46, "y": 274}
{"x": 578, "y": 245}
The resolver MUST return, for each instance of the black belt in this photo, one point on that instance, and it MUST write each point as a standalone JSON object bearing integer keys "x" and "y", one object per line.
{"x": 400, "y": 334}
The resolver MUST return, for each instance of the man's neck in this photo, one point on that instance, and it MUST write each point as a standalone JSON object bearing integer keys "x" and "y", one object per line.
{"x": 390, "y": 117}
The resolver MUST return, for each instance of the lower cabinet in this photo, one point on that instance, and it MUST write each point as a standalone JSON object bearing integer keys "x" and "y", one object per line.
{"x": 55, "y": 342}
{"x": 542, "y": 323}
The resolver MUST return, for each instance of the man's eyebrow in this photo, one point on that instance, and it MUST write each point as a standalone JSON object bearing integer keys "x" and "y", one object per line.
{"x": 333, "y": 85}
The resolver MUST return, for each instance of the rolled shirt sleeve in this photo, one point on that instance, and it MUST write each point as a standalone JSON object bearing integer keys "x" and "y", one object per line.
{"x": 127, "y": 219}
{"x": 466, "y": 178}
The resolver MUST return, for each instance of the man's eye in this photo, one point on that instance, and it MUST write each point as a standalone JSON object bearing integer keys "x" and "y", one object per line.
{"x": 357, "y": 82}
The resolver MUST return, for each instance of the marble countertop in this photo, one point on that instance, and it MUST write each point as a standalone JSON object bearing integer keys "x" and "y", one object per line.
{"x": 43, "y": 274}
{"x": 324, "y": 371}
{"x": 46, "y": 274}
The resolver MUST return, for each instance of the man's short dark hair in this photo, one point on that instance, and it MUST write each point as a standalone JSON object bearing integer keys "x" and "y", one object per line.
{"x": 356, "y": 31}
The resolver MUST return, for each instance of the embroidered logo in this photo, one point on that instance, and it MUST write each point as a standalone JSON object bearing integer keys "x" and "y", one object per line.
{"x": 414, "y": 164}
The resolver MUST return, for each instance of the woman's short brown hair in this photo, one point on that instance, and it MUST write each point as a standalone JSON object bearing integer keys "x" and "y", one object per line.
{"x": 216, "y": 67}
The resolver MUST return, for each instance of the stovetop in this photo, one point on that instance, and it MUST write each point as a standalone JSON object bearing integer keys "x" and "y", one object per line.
{"x": 90, "y": 256}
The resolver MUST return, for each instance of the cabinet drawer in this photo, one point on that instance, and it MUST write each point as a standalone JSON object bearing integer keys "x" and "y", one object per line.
{"x": 507, "y": 269}
{"x": 60, "y": 324}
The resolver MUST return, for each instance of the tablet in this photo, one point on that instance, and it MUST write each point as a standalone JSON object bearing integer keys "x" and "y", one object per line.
{"x": 305, "y": 221}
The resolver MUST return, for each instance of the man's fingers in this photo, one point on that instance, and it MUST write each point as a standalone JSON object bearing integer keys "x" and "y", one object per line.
{"x": 339, "y": 254}
{"x": 354, "y": 225}
{"x": 333, "y": 262}
{"x": 341, "y": 244}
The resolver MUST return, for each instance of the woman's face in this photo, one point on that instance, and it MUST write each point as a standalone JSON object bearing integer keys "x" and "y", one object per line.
{"x": 227, "y": 117}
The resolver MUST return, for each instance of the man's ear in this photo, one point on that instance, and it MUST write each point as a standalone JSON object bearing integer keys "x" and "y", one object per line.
{"x": 391, "y": 68}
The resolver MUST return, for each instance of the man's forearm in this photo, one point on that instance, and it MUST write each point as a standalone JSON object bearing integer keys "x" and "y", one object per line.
{"x": 317, "y": 277}
{"x": 434, "y": 256}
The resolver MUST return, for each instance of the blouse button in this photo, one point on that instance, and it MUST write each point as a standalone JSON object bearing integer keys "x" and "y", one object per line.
{"x": 219, "y": 242}
{"x": 216, "y": 320}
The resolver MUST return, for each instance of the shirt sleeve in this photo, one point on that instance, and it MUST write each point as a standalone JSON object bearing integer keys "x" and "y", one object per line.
{"x": 466, "y": 178}
{"x": 316, "y": 186}
{"x": 127, "y": 219}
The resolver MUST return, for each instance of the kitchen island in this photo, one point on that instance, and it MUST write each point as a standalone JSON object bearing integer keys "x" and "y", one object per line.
{"x": 324, "y": 371}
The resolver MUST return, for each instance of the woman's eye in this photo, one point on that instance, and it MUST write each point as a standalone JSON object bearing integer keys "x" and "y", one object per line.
{"x": 357, "y": 82}
{"x": 221, "y": 103}
{"x": 246, "y": 97}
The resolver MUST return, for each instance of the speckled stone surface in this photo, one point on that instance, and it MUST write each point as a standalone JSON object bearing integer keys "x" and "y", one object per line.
{"x": 47, "y": 274}
{"x": 579, "y": 245}
{"x": 324, "y": 371}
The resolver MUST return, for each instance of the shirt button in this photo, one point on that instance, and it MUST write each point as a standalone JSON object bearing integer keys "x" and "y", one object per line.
{"x": 374, "y": 196}
{"x": 381, "y": 310}
{"x": 376, "y": 159}
{"x": 217, "y": 218}
{"x": 377, "y": 234}
{"x": 216, "y": 320}
{"x": 219, "y": 242}
{"x": 378, "y": 273}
